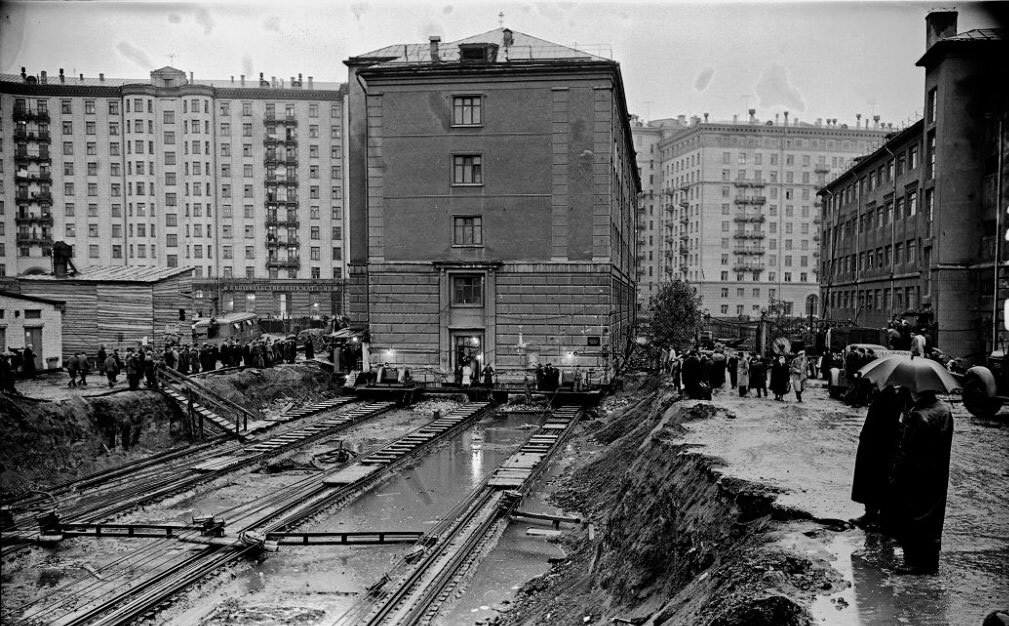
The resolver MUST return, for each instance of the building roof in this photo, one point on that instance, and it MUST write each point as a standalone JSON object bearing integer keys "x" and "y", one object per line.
{"x": 53, "y": 80}
{"x": 984, "y": 38}
{"x": 520, "y": 47}
{"x": 871, "y": 160}
{"x": 127, "y": 274}
{"x": 18, "y": 296}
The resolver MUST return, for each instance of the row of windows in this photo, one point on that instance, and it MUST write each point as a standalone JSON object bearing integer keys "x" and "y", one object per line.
{"x": 67, "y": 107}
{"x": 901, "y": 298}
{"x": 772, "y": 277}
{"x": 880, "y": 258}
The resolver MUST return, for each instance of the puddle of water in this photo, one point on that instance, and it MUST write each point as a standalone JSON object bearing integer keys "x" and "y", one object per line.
{"x": 961, "y": 592}
{"x": 331, "y": 577}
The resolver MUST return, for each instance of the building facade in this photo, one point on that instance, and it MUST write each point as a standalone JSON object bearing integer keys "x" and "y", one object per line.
{"x": 493, "y": 194}
{"x": 654, "y": 265}
{"x": 32, "y": 321}
{"x": 739, "y": 208}
{"x": 242, "y": 180}
{"x": 916, "y": 227}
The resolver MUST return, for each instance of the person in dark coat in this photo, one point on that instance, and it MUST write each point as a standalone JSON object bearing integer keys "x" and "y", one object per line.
{"x": 28, "y": 361}
{"x": 84, "y": 368}
{"x": 877, "y": 447}
{"x": 134, "y": 366}
{"x": 309, "y": 348}
{"x": 779, "y": 378}
{"x": 488, "y": 376}
{"x": 732, "y": 364}
{"x": 183, "y": 360}
{"x": 717, "y": 380}
{"x": 194, "y": 359}
{"x": 111, "y": 369}
{"x": 102, "y": 355}
{"x": 540, "y": 378}
{"x": 73, "y": 365}
{"x": 919, "y": 482}
{"x": 758, "y": 377}
{"x": 7, "y": 376}
{"x": 691, "y": 372}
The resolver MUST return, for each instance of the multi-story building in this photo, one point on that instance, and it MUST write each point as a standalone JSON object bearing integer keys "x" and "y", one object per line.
{"x": 654, "y": 264}
{"x": 740, "y": 209}
{"x": 241, "y": 180}
{"x": 915, "y": 228}
{"x": 493, "y": 195}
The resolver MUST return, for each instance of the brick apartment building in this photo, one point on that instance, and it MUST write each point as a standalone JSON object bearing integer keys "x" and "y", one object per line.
{"x": 493, "y": 195}
{"x": 240, "y": 179}
{"x": 920, "y": 221}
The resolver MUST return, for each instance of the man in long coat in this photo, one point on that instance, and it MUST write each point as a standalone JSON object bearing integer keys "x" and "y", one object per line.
{"x": 919, "y": 482}
{"x": 877, "y": 447}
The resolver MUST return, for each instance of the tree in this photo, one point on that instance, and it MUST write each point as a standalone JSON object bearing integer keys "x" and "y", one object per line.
{"x": 676, "y": 315}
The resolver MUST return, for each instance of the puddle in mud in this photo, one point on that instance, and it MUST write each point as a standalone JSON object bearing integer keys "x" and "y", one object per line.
{"x": 961, "y": 593}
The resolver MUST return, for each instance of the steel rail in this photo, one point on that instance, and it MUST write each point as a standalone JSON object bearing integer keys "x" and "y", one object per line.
{"x": 295, "y": 506}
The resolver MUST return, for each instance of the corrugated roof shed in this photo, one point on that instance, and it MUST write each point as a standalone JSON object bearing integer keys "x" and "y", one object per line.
{"x": 130, "y": 274}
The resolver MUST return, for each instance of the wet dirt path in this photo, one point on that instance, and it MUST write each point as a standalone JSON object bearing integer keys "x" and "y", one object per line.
{"x": 807, "y": 451}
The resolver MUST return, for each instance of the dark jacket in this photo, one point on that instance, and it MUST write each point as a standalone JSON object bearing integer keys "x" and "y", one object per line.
{"x": 920, "y": 476}
{"x": 779, "y": 378}
{"x": 877, "y": 447}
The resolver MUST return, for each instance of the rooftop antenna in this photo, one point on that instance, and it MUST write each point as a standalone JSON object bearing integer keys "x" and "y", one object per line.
{"x": 500, "y": 19}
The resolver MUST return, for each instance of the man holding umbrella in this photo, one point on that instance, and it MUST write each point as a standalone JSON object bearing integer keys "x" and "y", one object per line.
{"x": 920, "y": 476}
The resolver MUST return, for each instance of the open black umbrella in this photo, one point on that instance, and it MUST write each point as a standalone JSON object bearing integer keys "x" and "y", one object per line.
{"x": 916, "y": 374}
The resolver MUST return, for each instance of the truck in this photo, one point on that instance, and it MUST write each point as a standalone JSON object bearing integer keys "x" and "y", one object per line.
{"x": 240, "y": 327}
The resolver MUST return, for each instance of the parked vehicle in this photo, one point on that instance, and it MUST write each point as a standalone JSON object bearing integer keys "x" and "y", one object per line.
{"x": 241, "y": 327}
{"x": 986, "y": 387}
{"x": 839, "y": 383}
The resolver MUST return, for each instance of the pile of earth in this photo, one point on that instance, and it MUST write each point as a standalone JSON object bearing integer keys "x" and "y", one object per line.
{"x": 46, "y": 443}
{"x": 669, "y": 540}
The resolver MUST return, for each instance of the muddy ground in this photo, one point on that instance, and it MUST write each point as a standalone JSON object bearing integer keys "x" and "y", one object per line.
{"x": 732, "y": 512}
{"x": 54, "y": 434}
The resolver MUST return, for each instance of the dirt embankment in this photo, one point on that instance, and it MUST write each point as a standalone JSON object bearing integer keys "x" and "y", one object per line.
{"x": 671, "y": 540}
{"x": 44, "y": 443}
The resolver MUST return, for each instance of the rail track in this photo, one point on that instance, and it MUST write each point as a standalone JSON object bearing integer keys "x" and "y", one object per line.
{"x": 118, "y": 598}
{"x": 417, "y": 588}
{"x": 117, "y": 491}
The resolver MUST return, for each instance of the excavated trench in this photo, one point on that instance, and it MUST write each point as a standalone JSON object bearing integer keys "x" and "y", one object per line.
{"x": 670, "y": 540}
{"x": 46, "y": 443}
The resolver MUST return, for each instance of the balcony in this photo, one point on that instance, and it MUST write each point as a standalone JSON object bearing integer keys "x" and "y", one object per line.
{"x": 22, "y": 114}
{"x": 282, "y": 222}
{"x": 273, "y": 204}
{"x": 748, "y": 267}
{"x": 669, "y": 206}
{"x": 756, "y": 182}
{"x": 670, "y": 239}
{"x": 750, "y": 251}
{"x": 683, "y": 268}
{"x": 34, "y": 177}
{"x": 821, "y": 169}
{"x": 289, "y": 181}
{"x": 640, "y": 241}
{"x": 757, "y": 200}
{"x": 44, "y": 198}
{"x": 817, "y": 219}
{"x": 34, "y": 238}
{"x": 683, "y": 188}
{"x": 277, "y": 141}
{"x": 23, "y": 157}
{"x": 749, "y": 217}
{"x": 273, "y": 160}
{"x": 639, "y": 226}
{"x": 745, "y": 235}
{"x": 684, "y": 251}
{"x": 290, "y": 264}
{"x": 274, "y": 242}
{"x": 816, "y": 237}
{"x": 45, "y": 219}
{"x": 684, "y": 204}
{"x": 684, "y": 236}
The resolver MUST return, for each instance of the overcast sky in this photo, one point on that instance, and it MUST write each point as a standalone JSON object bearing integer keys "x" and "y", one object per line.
{"x": 814, "y": 59}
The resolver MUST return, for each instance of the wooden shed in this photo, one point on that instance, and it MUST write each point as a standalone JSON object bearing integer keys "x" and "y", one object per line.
{"x": 119, "y": 307}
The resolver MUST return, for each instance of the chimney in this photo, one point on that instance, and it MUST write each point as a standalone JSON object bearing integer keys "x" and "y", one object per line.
{"x": 705, "y": 118}
{"x": 786, "y": 118}
{"x": 241, "y": 78}
{"x": 776, "y": 116}
{"x": 190, "y": 77}
{"x": 273, "y": 81}
{"x": 23, "y": 73}
{"x": 101, "y": 76}
{"x": 44, "y": 79}
{"x": 682, "y": 119}
{"x": 939, "y": 25}
{"x": 735, "y": 118}
{"x": 875, "y": 121}
{"x": 82, "y": 75}
{"x": 62, "y": 77}
{"x": 434, "y": 41}
{"x": 309, "y": 82}
{"x": 232, "y": 79}
{"x": 819, "y": 121}
{"x": 753, "y": 115}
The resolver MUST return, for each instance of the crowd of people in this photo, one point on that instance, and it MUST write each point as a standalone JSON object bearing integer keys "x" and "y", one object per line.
{"x": 698, "y": 372}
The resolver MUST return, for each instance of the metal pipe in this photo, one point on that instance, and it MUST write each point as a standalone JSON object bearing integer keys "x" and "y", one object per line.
{"x": 998, "y": 227}
{"x": 893, "y": 225}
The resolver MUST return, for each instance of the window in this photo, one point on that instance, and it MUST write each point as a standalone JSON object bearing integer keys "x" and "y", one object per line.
{"x": 250, "y": 252}
{"x": 467, "y": 169}
{"x": 467, "y": 231}
{"x": 930, "y": 106}
{"x": 313, "y": 131}
{"x": 314, "y": 232}
{"x": 467, "y": 290}
{"x": 68, "y": 147}
{"x": 467, "y": 111}
{"x": 313, "y": 110}
{"x": 113, "y": 107}
{"x": 247, "y": 130}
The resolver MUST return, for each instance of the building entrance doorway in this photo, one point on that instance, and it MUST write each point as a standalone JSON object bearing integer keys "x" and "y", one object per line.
{"x": 467, "y": 348}
{"x": 33, "y": 337}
